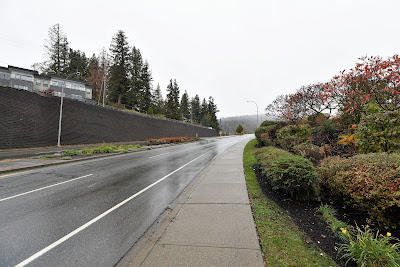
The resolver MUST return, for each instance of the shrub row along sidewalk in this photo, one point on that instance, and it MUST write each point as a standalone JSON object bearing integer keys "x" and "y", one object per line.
{"x": 283, "y": 244}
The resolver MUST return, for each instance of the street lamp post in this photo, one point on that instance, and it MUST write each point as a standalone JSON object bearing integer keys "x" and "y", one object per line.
{"x": 257, "y": 109}
{"x": 61, "y": 107}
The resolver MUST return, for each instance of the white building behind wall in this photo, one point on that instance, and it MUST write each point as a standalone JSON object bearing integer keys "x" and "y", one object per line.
{"x": 32, "y": 81}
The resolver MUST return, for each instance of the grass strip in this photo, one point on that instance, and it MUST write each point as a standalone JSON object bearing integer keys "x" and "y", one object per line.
{"x": 283, "y": 244}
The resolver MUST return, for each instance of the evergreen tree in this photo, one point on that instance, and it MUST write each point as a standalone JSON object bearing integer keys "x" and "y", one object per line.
{"x": 172, "y": 104}
{"x": 185, "y": 107}
{"x": 205, "y": 118}
{"x": 239, "y": 129}
{"x": 135, "y": 73}
{"x": 140, "y": 95}
{"x": 56, "y": 51}
{"x": 145, "y": 92}
{"x": 78, "y": 62}
{"x": 118, "y": 81}
{"x": 212, "y": 111}
{"x": 158, "y": 101}
{"x": 195, "y": 109}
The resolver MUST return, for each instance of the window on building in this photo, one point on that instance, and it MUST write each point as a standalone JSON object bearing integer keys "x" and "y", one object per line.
{"x": 55, "y": 83}
{"x": 45, "y": 83}
{"x": 88, "y": 91}
{"x": 23, "y": 87}
{"x": 38, "y": 82}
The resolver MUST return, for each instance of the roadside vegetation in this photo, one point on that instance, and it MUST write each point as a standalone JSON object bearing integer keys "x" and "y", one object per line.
{"x": 350, "y": 160}
{"x": 283, "y": 244}
{"x": 111, "y": 148}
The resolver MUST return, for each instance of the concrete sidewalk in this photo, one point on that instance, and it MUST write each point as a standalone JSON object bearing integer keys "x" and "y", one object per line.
{"x": 212, "y": 225}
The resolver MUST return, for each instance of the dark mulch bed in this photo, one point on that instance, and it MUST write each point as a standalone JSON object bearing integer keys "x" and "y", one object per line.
{"x": 305, "y": 216}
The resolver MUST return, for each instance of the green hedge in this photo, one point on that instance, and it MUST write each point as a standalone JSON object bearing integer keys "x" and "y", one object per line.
{"x": 292, "y": 174}
{"x": 370, "y": 182}
{"x": 292, "y": 135}
{"x": 269, "y": 123}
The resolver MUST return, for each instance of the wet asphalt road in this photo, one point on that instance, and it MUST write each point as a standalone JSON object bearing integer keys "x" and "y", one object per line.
{"x": 67, "y": 215}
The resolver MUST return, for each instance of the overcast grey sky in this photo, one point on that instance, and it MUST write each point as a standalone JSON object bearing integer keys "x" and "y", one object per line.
{"x": 235, "y": 51}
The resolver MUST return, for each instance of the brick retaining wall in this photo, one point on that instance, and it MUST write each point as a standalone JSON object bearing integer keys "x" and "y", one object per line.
{"x": 29, "y": 120}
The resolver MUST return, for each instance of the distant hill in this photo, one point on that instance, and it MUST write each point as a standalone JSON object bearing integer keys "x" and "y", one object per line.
{"x": 249, "y": 123}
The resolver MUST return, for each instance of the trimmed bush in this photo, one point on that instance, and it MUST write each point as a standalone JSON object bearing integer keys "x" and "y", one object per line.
{"x": 262, "y": 136}
{"x": 309, "y": 151}
{"x": 292, "y": 135}
{"x": 265, "y": 154}
{"x": 268, "y": 123}
{"x": 370, "y": 182}
{"x": 266, "y": 135}
{"x": 289, "y": 173}
{"x": 379, "y": 132}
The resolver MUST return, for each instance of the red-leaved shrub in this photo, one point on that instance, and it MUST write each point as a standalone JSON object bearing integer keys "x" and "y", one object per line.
{"x": 370, "y": 182}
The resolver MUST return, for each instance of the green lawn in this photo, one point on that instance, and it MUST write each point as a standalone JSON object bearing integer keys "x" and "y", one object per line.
{"x": 283, "y": 244}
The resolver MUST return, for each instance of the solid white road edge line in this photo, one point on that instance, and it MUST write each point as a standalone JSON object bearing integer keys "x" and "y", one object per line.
{"x": 22, "y": 194}
{"x": 71, "y": 234}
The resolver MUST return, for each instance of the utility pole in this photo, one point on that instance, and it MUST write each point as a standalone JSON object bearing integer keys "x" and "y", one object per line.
{"x": 61, "y": 107}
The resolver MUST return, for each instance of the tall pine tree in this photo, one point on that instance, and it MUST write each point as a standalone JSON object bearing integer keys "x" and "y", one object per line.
{"x": 172, "y": 104}
{"x": 145, "y": 92}
{"x": 78, "y": 62}
{"x": 118, "y": 81}
{"x": 205, "y": 120}
{"x": 140, "y": 82}
{"x": 185, "y": 107}
{"x": 56, "y": 52}
{"x": 212, "y": 111}
{"x": 195, "y": 109}
{"x": 158, "y": 101}
{"x": 135, "y": 73}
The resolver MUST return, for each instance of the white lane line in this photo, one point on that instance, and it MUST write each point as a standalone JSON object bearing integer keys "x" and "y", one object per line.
{"x": 159, "y": 155}
{"x": 68, "y": 236}
{"x": 42, "y": 188}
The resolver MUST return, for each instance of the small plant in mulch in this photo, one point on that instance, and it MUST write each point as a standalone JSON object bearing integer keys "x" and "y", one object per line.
{"x": 369, "y": 249}
{"x": 70, "y": 153}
